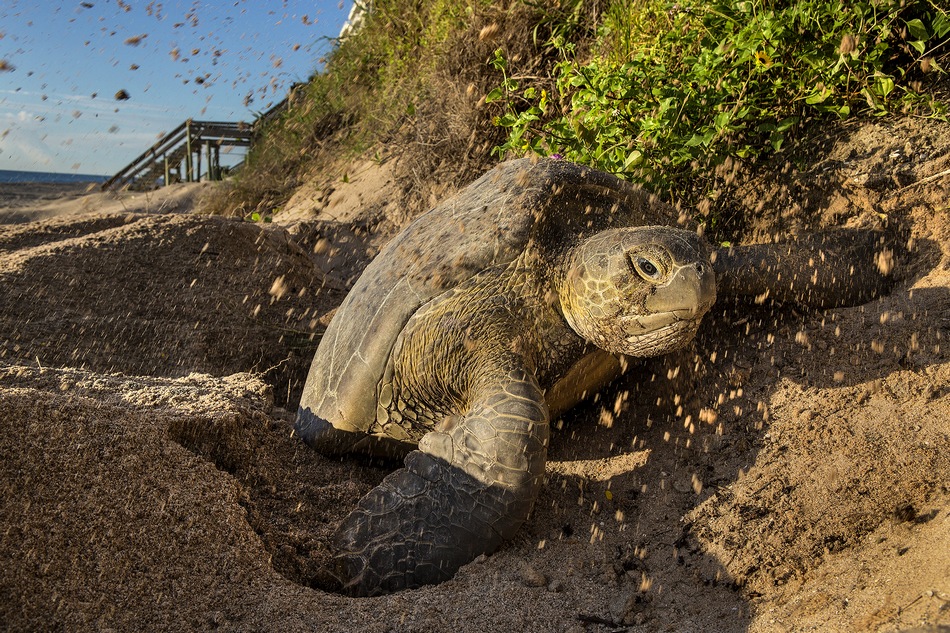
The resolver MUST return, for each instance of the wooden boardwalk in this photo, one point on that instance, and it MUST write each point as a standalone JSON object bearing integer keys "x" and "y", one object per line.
{"x": 177, "y": 156}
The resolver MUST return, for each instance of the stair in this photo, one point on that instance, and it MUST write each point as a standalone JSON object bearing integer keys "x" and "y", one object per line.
{"x": 176, "y": 157}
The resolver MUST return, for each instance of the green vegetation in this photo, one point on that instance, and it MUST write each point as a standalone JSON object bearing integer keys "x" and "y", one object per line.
{"x": 280, "y": 156}
{"x": 673, "y": 91}
{"x": 377, "y": 87}
{"x": 674, "y": 95}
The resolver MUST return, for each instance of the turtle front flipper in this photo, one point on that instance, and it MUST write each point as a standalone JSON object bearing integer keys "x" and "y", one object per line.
{"x": 469, "y": 487}
{"x": 835, "y": 268}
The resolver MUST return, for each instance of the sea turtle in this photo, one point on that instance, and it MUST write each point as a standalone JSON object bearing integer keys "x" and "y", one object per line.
{"x": 498, "y": 309}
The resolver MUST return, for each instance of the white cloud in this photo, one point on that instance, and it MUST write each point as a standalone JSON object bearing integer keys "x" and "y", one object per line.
{"x": 24, "y": 149}
{"x": 36, "y": 142}
{"x": 50, "y": 137}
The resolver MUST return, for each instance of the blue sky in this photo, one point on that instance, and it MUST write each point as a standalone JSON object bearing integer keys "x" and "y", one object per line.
{"x": 62, "y": 63}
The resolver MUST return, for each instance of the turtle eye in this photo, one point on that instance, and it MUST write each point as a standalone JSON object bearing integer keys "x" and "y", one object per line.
{"x": 646, "y": 268}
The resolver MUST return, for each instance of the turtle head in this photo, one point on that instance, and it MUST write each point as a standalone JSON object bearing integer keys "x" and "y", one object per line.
{"x": 640, "y": 291}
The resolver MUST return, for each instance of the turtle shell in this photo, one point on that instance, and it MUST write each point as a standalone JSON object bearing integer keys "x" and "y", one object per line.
{"x": 546, "y": 205}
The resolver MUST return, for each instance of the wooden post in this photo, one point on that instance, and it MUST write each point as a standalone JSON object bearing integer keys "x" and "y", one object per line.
{"x": 188, "y": 170}
{"x": 198, "y": 164}
{"x": 167, "y": 172}
{"x": 210, "y": 160}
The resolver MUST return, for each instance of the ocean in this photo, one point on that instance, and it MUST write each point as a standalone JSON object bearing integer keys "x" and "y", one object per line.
{"x": 8, "y": 176}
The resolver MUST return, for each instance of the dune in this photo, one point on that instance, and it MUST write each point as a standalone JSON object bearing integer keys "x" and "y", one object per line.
{"x": 788, "y": 472}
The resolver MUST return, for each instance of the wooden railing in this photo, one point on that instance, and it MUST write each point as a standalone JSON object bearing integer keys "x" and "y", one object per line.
{"x": 176, "y": 157}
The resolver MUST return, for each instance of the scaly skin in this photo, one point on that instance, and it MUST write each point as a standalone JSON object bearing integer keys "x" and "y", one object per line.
{"x": 462, "y": 387}
{"x": 467, "y": 489}
{"x": 530, "y": 282}
{"x": 463, "y": 381}
{"x": 833, "y": 268}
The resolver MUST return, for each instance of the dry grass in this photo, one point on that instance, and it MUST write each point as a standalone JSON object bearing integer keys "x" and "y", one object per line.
{"x": 408, "y": 87}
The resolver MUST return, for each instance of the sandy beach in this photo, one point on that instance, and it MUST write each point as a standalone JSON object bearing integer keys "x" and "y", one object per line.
{"x": 788, "y": 472}
{"x": 24, "y": 201}
{"x": 28, "y": 202}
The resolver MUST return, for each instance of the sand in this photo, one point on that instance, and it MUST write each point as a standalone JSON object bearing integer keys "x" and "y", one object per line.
{"x": 28, "y": 202}
{"x": 788, "y": 472}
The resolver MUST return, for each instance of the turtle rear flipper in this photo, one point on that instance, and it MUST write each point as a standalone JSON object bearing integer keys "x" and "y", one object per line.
{"x": 469, "y": 487}
{"x": 835, "y": 268}
{"x": 330, "y": 440}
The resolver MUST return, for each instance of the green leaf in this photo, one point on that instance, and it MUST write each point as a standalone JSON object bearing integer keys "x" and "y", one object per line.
{"x": 873, "y": 96}
{"x": 494, "y": 95}
{"x": 700, "y": 139}
{"x": 883, "y": 85}
{"x": 918, "y": 46}
{"x": 498, "y": 61}
{"x": 941, "y": 25}
{"x": 776, "y": 139}
{"x": 786, "y": 123}
{"x": 634, "y": 158}
{"x": 255, "y": 217}
{"x": 818, "y": 95}
{"x": 917, "y": 29}
{"x": 722, "y": 119}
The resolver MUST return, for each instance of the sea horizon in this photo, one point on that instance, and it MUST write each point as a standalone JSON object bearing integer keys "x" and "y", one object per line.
{"x": 12, "y": 176}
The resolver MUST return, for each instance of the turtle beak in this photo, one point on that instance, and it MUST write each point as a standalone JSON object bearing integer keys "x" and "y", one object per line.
{"x": 689, "y": 294}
